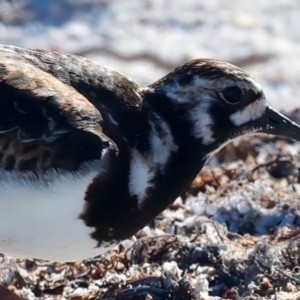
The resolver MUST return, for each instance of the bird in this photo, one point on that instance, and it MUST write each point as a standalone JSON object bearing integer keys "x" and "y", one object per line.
{"x": 88, "y": 156}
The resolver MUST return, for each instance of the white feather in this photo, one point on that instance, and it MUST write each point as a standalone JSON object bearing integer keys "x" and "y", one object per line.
{"x": 202, "y": 121}
{"x": 143, "y": 168}
{"x": 251, "y": 112}
{"x": 162, "y": 144}
{"x": 40, "y": 219}
{"x": 140, "y": 176}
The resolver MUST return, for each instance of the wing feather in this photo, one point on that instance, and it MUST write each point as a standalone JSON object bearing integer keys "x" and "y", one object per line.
{"x": 44, "y": 122}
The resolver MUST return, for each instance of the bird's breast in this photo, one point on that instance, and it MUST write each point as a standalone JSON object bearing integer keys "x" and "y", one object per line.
{"x": 39, "y": 216}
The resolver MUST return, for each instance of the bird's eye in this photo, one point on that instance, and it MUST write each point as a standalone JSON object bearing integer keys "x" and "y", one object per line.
{"x": 231, "y": 94}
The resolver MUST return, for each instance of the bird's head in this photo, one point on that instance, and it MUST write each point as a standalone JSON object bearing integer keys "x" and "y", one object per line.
{"x": 222, "y": 102}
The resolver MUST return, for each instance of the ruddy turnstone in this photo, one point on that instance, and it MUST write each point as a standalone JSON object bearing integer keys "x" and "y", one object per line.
{"x": 88, "y": 156}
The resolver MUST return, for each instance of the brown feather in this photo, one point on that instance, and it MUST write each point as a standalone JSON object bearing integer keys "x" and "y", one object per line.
{"x": 45, "y": 121}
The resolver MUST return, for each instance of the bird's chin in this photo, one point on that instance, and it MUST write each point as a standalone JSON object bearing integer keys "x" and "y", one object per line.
{"x": 247, "y": 131}
{"x": 217, "y": 147}
{"x": 241, "y": 132}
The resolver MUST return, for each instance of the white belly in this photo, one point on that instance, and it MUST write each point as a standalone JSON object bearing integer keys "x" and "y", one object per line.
{"x": 41, "y": 220}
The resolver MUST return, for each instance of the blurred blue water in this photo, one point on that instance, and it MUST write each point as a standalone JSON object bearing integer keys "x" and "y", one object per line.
{"x": 45, "y": 12}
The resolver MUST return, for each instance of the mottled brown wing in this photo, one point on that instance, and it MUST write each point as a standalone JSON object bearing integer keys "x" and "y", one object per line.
{"x": 44, "y": 123}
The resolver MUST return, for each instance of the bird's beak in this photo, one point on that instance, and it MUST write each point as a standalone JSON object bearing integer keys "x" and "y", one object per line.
{"x": 273, "y": 122}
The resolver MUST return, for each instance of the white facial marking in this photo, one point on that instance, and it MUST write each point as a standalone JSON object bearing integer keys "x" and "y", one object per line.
{"x": 202, "y": 122}
{"x": 199, "y": 115}
{"x": 185, "y": 93}
{"x": 179, "y": 93}
{"x": 40, "y": 218}
{"x": 144, "y": 168}
{"x": 201, "y": 91}
{"x": 251, "y": 112}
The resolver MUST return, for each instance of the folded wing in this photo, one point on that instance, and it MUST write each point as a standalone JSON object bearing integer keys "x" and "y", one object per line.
{"x": 45, "y": 122}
